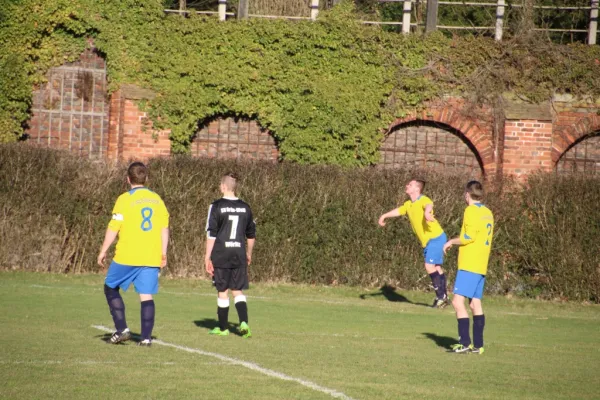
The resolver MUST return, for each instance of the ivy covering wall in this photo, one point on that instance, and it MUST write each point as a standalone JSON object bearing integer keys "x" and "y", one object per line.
{"x": 326, "y": 89}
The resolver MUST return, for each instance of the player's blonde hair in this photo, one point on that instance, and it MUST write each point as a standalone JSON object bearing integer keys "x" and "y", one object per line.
{"x": 137, "y": 173}
{"x": 229, "y": 180}
{"x": 475, "y": 190}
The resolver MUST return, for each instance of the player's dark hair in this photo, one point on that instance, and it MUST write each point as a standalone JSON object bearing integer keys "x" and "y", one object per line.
{"x": 230, "y": 181}
{"x": 475, "y": 190}
{"x": 137, "y": 173}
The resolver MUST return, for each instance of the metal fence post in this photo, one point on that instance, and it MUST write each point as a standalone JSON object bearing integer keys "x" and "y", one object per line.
{"x": 593, "y": 31}
{"x": 499, "y": 19}
{"x": 406, "y": 16}
{"x": 314, "y": 9}
{"x": 432, "y": 14}
{"x": 222, "y": 10}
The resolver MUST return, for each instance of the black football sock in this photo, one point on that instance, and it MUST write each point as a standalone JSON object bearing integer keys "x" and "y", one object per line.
{"x": 116, "y": 306}
{"x": 242, "y": 308}
{"x": 147, "y": 314}
{"x": 478, "y": 325}
{"x": 435, "y": 280}
{"x": 463, "y": 331}
{"x": 223, "y": 313}
{"x": 443, "y": 284}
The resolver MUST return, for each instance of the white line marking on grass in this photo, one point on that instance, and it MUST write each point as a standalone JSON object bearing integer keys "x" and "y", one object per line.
{"x": 94, "y": 362}
{"x": 32, "y": 362}
{"x": 249, "y": 365}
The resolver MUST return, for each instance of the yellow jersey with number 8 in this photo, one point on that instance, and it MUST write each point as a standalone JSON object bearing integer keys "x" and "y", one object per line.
{"x": 139, "y": 216}
{"x": 476, "y": 239}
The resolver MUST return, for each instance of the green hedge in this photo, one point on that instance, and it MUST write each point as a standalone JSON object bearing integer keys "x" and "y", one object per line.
{"x": 316, "y": 224}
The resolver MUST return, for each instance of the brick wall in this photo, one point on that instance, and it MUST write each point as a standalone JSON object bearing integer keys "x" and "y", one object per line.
{"x": 584, "y": 157}
{"x": 527, "y": 147}
{"x": 472, "y": 126}
{"x": 131, "y": 136}
{"x": 72, "y": 112}
{"x": 234, "y": 138}
{"x": 430, "y": 145}
{"x": 576, "y": 142}
{"x": 139, "y": 140}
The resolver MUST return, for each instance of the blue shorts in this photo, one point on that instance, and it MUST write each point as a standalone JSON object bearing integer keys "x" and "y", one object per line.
{"x": 145, "y": 279}
{"x": 469, "y": 284}
{"x": 434, "y": 250}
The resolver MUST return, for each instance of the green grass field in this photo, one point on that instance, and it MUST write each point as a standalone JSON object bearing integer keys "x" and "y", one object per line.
{"x": 308, "y": 343}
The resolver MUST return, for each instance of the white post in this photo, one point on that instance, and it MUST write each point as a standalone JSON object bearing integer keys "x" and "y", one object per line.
{"x": 314, "y": 9}
{"x": 499, "y": 19}
{"x": 222, "y": 10}
{"x": 406, "y": 16}
{"x": 593, "y": 31}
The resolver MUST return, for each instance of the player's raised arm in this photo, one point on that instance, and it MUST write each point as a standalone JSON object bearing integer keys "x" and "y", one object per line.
{"x": 396, "y": 212}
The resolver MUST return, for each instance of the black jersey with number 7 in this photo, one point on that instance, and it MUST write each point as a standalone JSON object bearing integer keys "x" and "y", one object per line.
{"x": 230, "y": 223}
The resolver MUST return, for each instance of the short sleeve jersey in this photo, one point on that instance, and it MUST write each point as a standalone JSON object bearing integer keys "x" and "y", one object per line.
{"x": 424, "y": 229}
{"x": 476, "y": 239}
{"x": 139, "y": 216}
{"x": 230, "y": 223}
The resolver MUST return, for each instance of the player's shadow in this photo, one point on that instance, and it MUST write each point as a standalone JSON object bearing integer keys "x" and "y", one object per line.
{"x": 444, "y": 342}
{"x": 135, "y": 337}
{"x": 211, "y": 323}
{"x": 389, "y": 292}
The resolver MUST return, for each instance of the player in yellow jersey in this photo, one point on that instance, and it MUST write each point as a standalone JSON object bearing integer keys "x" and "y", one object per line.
{"x": 429, "y": 233}
{"x": 141, "y": 221}
{"x": 475, "y": 243}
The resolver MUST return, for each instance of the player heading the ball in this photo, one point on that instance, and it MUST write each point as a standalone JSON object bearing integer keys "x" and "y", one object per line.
{"x": 430, "y": 234}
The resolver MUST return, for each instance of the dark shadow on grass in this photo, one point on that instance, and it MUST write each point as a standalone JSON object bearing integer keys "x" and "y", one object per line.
{"x": 444, "y": 342}
{"x": 389, "y": 292}
{"x": 211, "y": 323}
{"x": 135, "y": 337}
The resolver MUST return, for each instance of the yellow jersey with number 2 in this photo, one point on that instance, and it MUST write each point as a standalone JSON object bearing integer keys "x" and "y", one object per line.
{"x": 476, "y": 239}
{"x": 139, "y": 216}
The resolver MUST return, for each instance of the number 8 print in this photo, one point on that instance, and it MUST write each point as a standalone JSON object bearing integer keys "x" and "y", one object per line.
{"x": 146, "y": 222}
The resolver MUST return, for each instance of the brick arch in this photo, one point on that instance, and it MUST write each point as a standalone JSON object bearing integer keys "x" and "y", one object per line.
{"x": 583, "y": 156}
{"x": 230, "y": 137}
{"x": 468, "y": 128}
{"x": 564, "y": 137}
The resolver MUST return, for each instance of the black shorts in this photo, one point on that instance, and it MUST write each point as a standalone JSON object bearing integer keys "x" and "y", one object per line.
{"x": 231, "y": 278}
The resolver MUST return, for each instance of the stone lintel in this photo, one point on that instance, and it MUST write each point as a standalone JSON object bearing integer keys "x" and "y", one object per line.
{"x": 134, "y": 92}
